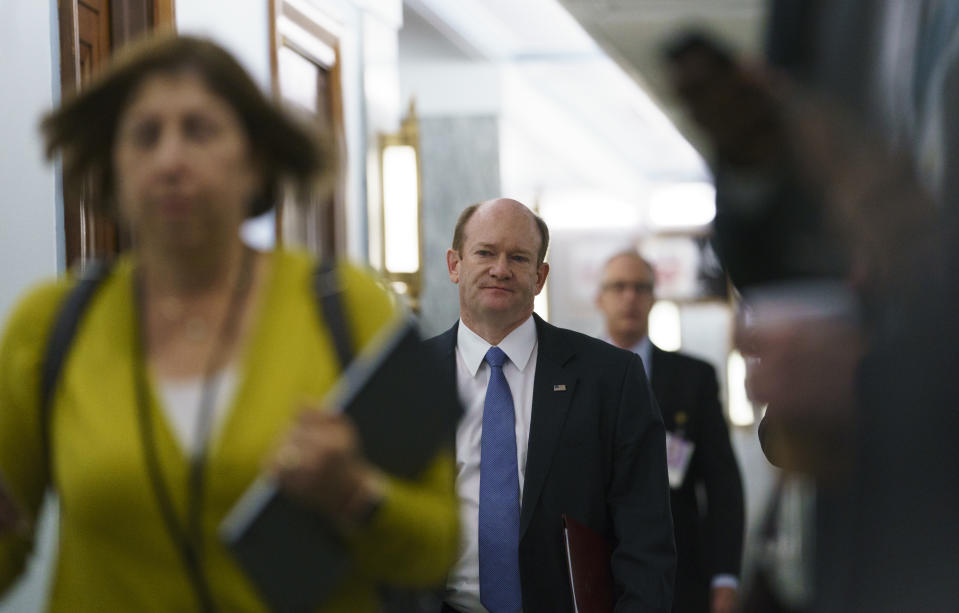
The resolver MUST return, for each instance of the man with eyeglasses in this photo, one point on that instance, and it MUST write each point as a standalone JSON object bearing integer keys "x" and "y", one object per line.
{"x": 709, "y": 538}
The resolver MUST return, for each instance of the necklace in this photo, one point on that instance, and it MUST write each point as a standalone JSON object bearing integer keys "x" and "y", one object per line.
{"x": 196, "y": 328}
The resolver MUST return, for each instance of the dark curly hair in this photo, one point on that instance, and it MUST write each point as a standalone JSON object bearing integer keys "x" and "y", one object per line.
{"x": 84, "y": 128}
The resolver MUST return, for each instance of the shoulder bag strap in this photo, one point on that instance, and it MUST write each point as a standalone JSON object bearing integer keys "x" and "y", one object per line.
{"x": 58, "y": 346}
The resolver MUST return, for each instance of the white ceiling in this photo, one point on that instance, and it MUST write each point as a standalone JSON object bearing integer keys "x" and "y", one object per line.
{"x": 633, "y": 33}
{"x": 502, "y": 30}
{"x": 560, "y": 58}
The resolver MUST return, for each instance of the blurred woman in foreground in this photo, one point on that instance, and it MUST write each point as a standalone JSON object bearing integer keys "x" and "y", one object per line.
{"x": 197, "y": 362}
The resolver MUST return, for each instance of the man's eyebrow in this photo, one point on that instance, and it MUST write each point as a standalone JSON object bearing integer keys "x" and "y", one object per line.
{"x": 522, "y": 250}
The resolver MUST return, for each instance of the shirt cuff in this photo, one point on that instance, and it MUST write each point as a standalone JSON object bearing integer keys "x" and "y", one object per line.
{"x": 725, "y": 581}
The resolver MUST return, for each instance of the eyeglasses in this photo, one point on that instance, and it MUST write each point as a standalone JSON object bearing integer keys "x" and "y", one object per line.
{"x": 619, "y": 287}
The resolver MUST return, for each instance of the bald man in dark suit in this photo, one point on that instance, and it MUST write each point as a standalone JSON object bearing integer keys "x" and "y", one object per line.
{"x": 555, "y": 423}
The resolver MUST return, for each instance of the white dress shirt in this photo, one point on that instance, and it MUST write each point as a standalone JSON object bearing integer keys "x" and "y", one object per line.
{"x": 472, "y": 377}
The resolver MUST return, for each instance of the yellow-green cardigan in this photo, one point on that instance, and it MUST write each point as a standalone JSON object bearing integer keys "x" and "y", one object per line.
{"x": 114, "y": 552}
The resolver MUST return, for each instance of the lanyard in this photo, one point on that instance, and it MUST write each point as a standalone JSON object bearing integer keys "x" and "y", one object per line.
{"x": 187, "y": 537}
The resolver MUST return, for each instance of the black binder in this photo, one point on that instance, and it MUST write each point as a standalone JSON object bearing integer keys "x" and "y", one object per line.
{"x": 403, "y": 413}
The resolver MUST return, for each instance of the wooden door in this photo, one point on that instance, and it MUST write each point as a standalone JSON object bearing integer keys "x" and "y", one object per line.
{"x": 89, "y": 31}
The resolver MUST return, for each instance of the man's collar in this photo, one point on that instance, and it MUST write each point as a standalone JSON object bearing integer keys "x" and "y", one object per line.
{"x": 518, "y": 345}
{"x": 644, "y": 347}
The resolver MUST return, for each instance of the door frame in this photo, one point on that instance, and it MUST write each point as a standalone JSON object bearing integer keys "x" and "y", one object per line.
{"x": 311, "y": 24}
{"x": 129, "y": 19}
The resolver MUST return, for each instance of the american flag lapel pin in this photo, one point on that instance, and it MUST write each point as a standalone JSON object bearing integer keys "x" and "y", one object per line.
{"x": 559, "y": 388}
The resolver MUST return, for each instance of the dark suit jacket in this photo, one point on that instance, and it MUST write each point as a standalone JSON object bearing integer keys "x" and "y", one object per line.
{"x": 597, "y": 453}
{"x": 712, "y": 543}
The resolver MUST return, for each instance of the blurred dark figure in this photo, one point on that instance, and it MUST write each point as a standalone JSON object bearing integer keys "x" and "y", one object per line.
{"x": 837, "y": 170}
{"x": 706, "y": 490}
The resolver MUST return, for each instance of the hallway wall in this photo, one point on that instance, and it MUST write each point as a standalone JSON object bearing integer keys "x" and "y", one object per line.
{"x": 460, "y": 158}
{"x": 29, "y": 209}
{"x": 245, "y": 32}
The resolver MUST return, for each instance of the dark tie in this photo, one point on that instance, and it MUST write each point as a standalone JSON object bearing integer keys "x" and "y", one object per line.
{"x": 499, "y": 495}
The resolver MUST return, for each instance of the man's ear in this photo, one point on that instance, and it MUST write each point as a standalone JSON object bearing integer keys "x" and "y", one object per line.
{"x": 541, "y": 273}
{"x": 453, "y": 265}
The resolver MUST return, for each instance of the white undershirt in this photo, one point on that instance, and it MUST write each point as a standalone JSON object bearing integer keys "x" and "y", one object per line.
{"x": 472, "y": 377}
{"x": 181, "y": 403}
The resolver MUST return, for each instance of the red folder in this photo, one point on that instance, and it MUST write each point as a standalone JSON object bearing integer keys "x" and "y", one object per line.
{"x": 590, "y": 574}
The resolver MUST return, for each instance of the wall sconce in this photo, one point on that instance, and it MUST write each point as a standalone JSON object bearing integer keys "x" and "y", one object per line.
{"x": 401, "y": 208}
{"x": 741, "y": 410}
{"x": 665, "y": 329}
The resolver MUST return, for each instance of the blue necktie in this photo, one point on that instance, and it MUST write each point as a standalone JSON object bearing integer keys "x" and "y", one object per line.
{"x": 499, "y": 495}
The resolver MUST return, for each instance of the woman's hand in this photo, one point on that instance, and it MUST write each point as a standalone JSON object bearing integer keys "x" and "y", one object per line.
{"x": 321, "y": 465}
